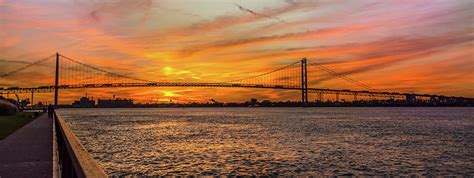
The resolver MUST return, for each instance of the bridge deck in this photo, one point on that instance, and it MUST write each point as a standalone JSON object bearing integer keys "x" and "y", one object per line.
{"x": 48, "y": 89}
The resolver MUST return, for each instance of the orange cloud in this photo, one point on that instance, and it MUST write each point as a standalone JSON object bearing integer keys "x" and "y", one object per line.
{"x": 385, "y": 44}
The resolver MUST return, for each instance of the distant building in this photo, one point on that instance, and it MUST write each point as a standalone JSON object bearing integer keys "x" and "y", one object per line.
{"x": 115, "y": 103}
{"x": 84, "y": 102}
{"x": 411, "y": 99}
{"x": 253, "y": 102}
{"x": 266, "y": 103}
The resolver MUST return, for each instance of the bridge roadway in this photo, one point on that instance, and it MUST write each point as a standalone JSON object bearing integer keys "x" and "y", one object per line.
{"x": 48, "y": 89}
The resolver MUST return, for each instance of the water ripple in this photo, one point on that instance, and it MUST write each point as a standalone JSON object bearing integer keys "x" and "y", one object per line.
{"x": 278, "y": 141}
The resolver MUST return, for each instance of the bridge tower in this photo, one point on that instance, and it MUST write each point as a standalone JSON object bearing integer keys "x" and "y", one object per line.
{"x": 304, "y": 83}
{"x": 56, "y": 81}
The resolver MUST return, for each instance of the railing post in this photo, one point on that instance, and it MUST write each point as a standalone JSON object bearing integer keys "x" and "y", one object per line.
{"x": 304, "y": 83}
{"x": 56, "y": 81}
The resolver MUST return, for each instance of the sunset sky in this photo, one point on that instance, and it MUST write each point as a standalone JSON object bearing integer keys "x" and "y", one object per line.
{"x": 421, "y": 46}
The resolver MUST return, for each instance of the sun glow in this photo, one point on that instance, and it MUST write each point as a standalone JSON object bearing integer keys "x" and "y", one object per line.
{"x": 218, "y": 41}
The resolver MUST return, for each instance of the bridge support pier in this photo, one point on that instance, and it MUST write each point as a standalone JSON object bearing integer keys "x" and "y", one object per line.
{"x": 304, "y": 83}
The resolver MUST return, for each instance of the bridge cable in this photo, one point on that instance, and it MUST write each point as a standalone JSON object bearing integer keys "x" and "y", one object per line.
{"x": 341, "y": 76}
{"x": 104, "y": 71}
{"x": 263, "y": 74}
{"x": 27, "y": 66}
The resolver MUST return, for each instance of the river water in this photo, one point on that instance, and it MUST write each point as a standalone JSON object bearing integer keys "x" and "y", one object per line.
{"x": 278, "y": 141}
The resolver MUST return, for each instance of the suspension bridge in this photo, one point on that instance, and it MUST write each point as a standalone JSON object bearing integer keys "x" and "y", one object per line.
{"x": 72, "y": 74}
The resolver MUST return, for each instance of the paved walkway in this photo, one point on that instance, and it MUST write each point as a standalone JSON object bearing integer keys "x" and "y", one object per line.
{"x": 28, "y": 151}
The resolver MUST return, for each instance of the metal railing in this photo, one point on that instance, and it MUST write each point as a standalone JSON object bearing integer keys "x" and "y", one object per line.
{"x": 73, "y": 160}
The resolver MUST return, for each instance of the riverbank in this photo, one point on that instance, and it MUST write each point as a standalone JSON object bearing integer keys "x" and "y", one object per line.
{"x": 9, "y": 124}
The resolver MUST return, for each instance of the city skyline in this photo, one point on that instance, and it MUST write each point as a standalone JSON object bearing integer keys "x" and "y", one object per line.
{"x": 415, "y": 46}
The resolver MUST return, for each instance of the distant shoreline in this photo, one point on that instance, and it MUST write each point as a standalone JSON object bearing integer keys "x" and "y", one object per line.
{"x": 269, "y": 107}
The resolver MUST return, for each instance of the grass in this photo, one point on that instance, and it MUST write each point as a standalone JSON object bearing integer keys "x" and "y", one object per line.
{"x": 9, "y": 124}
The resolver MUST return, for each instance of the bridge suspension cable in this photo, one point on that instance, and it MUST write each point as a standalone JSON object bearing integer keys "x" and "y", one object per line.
{"x": 342, "y": 76}
{"x": 106, "y": 73}
{"x": 73, "y": 72}
{"x": 285, "y": 76}
{"x": 77, "y": 75}
{"x": 27, "y": 66}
